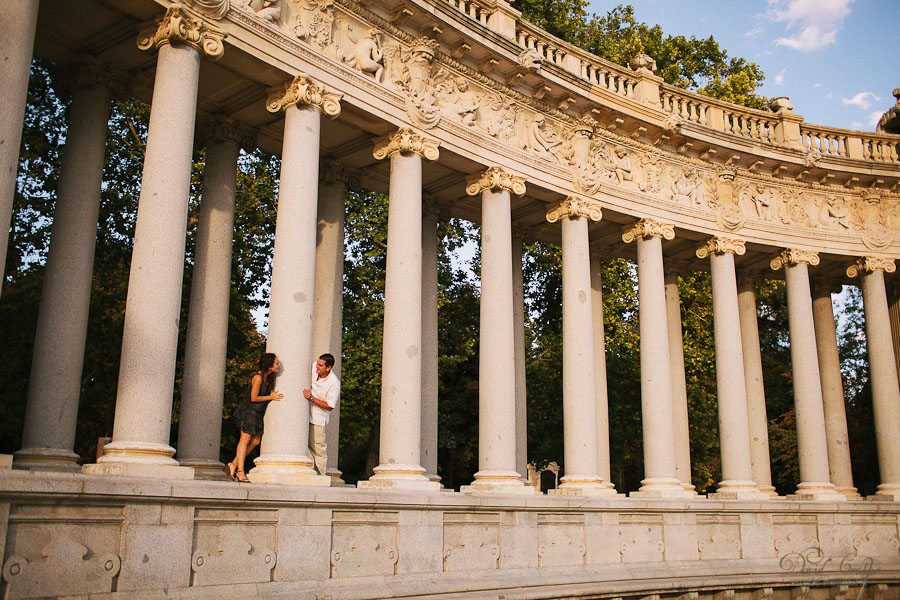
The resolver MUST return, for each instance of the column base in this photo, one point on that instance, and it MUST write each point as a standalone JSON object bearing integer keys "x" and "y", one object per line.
{"x": 286, "y": 470}
{"x": 583, "y": 485}
{"x": 689, "y": 487}
{"x": 206, "y": 469}
{"x": 123, "y": 469}
{"x": 399, "y": 477}
{"x": 738, "y": 490}
{"x": 662, "y": 487}
{"x": 139, "y": 459}
{"x": 769, "y": 490}
{"x": 886, "y": 492}
{"x": 824, "y": 492}
{"x": 46, "y": 459}
{"x": 6, "y": 461}
{"x": 336, "y": 480}
{"x": 497, "y": 482}
{"x": 433, "y": 477}
{"x": 850, "y": 492}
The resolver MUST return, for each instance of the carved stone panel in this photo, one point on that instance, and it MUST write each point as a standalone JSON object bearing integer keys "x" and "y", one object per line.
{"x": 876, "y": 536}
{"x": 560, "y": 540}
{"x": 364, "y": 543}
{"x": 641, "y": 537}
{"x": 233, "y": 546}
{"x": 719, "y": 537}
{"x": 471, "y": 541}
{"x": 794, "y": 534}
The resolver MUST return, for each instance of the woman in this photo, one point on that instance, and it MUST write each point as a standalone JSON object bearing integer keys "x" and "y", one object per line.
{"x": 249, "y": 413}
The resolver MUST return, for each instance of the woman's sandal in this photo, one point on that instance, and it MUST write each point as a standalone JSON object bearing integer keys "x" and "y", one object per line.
{"x": 240, "y": 477}
{"x": 231, "y": 468}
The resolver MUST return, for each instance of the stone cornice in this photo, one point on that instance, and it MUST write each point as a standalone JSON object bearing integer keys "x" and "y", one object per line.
{"x": 406, "y": 141}
{"x": 648, "y": 228}
{"x": 495, "y": 178}
{"x": 331, "y": 171}
{"x": 305, "y": 91}
{"x": 721, "y": 245}
{"x": 871, "y": 264}
{"x": 178, "y": 27}
{"x": 791, "y": 257}
{"x": 574, "y": 207}
{"x": 220, "y": 129}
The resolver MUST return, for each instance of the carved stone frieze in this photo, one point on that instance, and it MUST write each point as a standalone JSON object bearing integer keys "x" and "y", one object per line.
{"x": 495, "y": 178}
{"x": 178, "y": 27}
{"x": 648, "y": 228}
{"x": 720, "y": 245}
{"x": 724, "y": 198}
{"x": 220, "y": 129}
{"x": 313, "y": 21}
{"x": 270, "y": 10}
{"x": 793, "y": 256}
{"x": 406, "y": 141}
{"x": 215, "y": 9}
{"x": 305, "y": 91}
{"x": 574, "y": 207}
{"x": 871, "y": 264}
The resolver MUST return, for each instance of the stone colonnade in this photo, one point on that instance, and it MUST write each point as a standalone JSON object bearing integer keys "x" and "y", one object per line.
{"x": 305, "y": 309}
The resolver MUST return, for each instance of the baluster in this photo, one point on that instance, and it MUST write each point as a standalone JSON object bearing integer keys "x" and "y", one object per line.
{"x": 629, "y": 88}
{"x": 703, "y": 117}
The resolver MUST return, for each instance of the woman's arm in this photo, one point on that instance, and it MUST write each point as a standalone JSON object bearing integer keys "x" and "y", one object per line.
{"x": 255, "y": 384}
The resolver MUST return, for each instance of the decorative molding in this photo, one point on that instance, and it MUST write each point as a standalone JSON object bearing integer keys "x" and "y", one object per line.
{"x": 331, "y": 171}
{"x": 721, "y": 245}
{"x": 219, "y": 129}
{"x": 871, "y": 264}
{"x": 573, "y": 207}
{"x": 495, "y": 178}
{"x": 178, "y": 27}
{"x": 792, "y": 257}
{"x": 304, "y": 90}
{"x": 648, "y": 228}
{"x": 406, "y": 141}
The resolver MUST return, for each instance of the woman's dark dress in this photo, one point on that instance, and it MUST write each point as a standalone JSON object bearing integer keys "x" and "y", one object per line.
{"x": 249, "y": 415}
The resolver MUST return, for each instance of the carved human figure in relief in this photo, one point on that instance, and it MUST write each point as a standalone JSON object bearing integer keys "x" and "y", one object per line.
{"x": 834, "y": 213}
{"x": 368, "y": 57}
{"x": 467, "y": 103}
{"x": 543, "y": 138}
{"x": 270, "y": 10}
{"x": 683, "y": 186}
{"x": 313, "y": 21}
{"x": 762, "y": 200}
{"x": 623, "y": 165}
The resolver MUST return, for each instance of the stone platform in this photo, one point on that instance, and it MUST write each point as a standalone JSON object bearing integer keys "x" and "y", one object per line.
{"x": 75, "y": 535}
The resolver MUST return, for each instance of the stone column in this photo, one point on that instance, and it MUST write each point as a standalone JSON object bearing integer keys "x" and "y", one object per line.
{"x": 430, "y": 214}
{"x": 832, "y": 391}
{"x": 520, "y": 236}
{"x": 400, "y": 450}
{"x": 734, "y": 433}
{"x": 284, "y": 454}
{"x": 815, "y": 481}
{"x": 882, "y": 371}
{"x": 16, "y": 43}
{"x": 496, "y": 356}
{"x": 579, "y": 385}
{"x": 656, "y": 378}
{"x": 206, "y": 343}
{"x": 140, "y": 443}
{"x": 599, "y": 257}
{"x": 55, "y": 383}
{"x": 679, "y": 386}
{"x": 328, "y": 305}
{"x": 757, "y": 421}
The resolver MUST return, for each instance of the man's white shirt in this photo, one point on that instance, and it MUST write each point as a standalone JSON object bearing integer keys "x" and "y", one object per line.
{"x": 327, "y": 390}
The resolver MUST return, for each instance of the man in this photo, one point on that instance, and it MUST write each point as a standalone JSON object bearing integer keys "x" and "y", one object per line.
{"x": 323, "y": 397}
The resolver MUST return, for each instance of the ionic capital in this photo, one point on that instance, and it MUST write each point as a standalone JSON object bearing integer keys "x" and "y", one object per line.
{"x": 433, "y": 206}
{"x": 871, "y": 264}
{"x": 720, "y": 245}
{"x": 823, "y": 287}
{"x": 601, "y": 252}
{"x": 219, "y": 129}
{"x": 676, "y": 268}
{"x": 495, "y": 178}
{"x": 792, "y": 257}
{"x": 406, "y": 141}
{"x": 331, "y": 171}
{"x": 648, "y": 228}
{"x": 178, "y": 27}
{"x": 574, "y": 207}
{"x": 88, "y": 72}
{"x": 305, "y": 91}
{"x": 523, "y": 233}
{"x": 748, "y": 277}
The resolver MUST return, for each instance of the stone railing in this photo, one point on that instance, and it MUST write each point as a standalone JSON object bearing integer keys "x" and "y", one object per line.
{"x": 479, "y": 11}
{"x": 844, "y": 143}
{"x": 549, "y": 48}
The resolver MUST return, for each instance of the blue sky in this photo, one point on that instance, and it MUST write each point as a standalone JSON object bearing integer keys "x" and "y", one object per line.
{"x": 837, "y": 60}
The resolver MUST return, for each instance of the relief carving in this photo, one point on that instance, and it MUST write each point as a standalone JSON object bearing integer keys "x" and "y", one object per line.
{"x": 765, "y": 201}
{"x": 795, "y": 544}
{"x": 653, "y": 173}
{"x": 833, "y": 212}
{"x": 361, "y": 551}
{"x": 645, "y": 545}
{"x": 178, "y": 27}
{"x": 313, "y": 21}
{"x": 237, "y": 561}
{"x": 67, "y": 568}
{"x": 877, "y": 542}
{"x": 467, "y": 103}
{"x": 561, "y": 545}
{"x": 720, "y": 547}
{"x": 367, "y": 55}
{"x": 872, "y": 217}
{"x": 270, "y": 10}
{"x": 417, "y": 76}
{"x": 794, "y": 211}
{"x": 683, "y": 184}
{"x": 531, "y": 60}
{"x": 725, "y": 200}
{"x": 215, "y": 9}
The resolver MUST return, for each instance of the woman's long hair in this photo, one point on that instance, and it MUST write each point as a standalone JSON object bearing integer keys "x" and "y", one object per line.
{"x": 265, "y": 363}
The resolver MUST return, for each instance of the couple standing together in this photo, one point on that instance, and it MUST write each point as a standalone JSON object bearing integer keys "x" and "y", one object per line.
{"x": 322, "y": 396}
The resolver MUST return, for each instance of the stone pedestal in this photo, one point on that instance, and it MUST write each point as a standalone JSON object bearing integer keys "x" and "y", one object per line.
{"x": 54, "y": 386}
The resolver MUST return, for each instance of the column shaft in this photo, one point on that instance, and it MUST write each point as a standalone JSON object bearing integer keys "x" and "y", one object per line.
{"x": 757, "y": 422}
{"x": 329, "y": 301}
{"x": 54, "y": 387}
{"x": 140, "y": 443}
{"x": 811, "y": 445}
{"x": 519, "y": 332}
{"x": 601, "y": 396}
{"x": 206, "y": 343}
{"x": 430, "y": 344}
{"x": 16, "y": 43}
{"x": 283, "y": 454}
{"x": 883, "y": 376}
{"x": 832, "y": 392}
{"x": 679, "y": 386}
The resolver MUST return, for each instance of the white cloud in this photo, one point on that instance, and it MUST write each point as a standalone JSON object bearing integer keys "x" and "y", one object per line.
{"x": 809, "y": 24}
{"x": 874, "y": 118}
{"x": 856, "y": 125}
{"x": 779, "y": 79}
{"x": 829, "y": 95}
{"x": 752, "y": 34}
{"x": 817, "y": 85}
{"x": 863, "y": 100}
